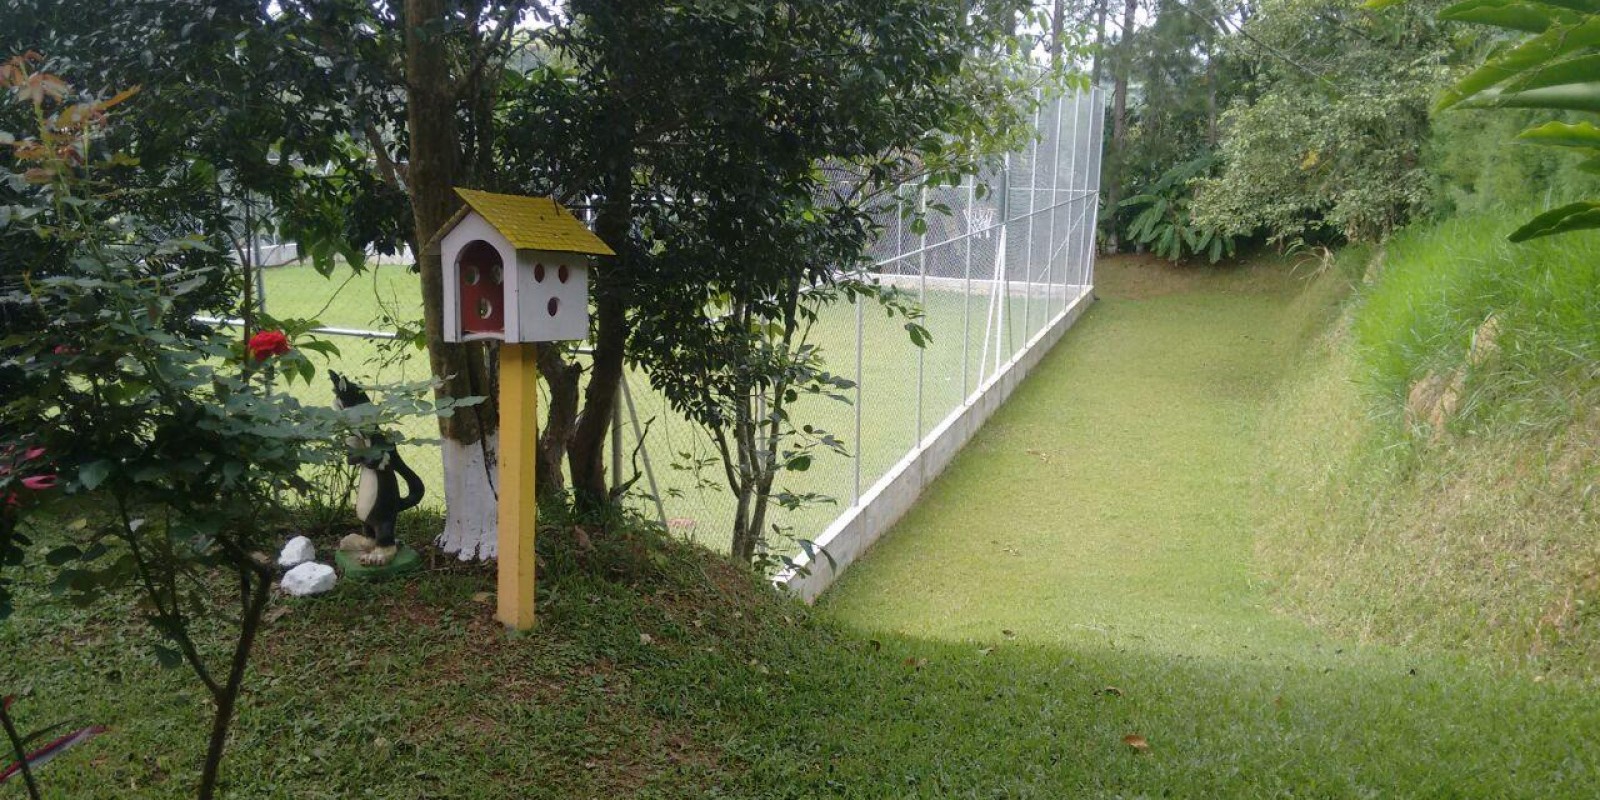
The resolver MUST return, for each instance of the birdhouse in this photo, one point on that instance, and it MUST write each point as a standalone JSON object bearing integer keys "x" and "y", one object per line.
{"x": 516, "y": 269}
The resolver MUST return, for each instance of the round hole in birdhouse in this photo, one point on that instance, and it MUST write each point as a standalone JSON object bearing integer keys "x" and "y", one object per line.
{"x": 485, "y": 308}
{"x": 538, "y": 273}
{"x": 469, "y": 273}
{"x": 553, "y": 306}
{"x": 496, "y": 274}
{"x": 562, "y": 274}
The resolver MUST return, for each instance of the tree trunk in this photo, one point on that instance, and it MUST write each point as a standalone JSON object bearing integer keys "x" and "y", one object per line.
{"x": 1211, "y": 94}
{"x": 586, "y": 449}
{"x": 1119, "y": 117}
{"x": 1057, "y": 23}
{"x": 1100, "y": 10}
{"x": 469, "y": 443}
{"x": 255, "y": 588}
{"x": 562, "y": 377}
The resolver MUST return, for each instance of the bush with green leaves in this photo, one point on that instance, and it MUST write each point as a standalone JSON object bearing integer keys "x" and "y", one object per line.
{"x": 172, "y": 456}
{"x": 1329, "y": 142}
{"x": 1164, "y": 223}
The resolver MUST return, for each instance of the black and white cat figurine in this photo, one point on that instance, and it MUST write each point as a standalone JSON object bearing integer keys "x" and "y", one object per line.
{"x": 378, "y": 498}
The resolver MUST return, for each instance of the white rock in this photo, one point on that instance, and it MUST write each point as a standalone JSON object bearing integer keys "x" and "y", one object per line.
{"x": 309, "y": 578}
{"x": 298, "y": 551}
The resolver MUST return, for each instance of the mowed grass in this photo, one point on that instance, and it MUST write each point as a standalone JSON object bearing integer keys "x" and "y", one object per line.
{"x": 1099, "y": 533}
{"x": 680, "y": 453}
{"x": 1081, "y": 574}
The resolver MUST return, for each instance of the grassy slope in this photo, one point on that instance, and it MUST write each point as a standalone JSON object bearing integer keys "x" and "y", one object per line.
{"x": 1095, "y": 535}
{"x": 1488, "y": 539}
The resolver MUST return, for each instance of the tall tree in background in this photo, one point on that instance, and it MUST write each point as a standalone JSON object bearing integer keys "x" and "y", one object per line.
{"x": 1124, "y": 66}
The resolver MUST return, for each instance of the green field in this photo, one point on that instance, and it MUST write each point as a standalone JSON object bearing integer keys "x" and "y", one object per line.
{"x": 888, "y": 375}
{"x": 1083, "y": 572}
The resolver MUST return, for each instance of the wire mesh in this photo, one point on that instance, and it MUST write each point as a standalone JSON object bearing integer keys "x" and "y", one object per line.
{"x": 1001, "y": 257}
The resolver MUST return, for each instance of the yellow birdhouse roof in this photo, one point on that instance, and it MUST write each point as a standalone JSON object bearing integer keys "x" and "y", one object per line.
{"x": 533, "y": 223}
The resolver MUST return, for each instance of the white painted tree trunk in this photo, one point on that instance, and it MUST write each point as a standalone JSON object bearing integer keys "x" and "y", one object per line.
{"x": 471, "y": 473}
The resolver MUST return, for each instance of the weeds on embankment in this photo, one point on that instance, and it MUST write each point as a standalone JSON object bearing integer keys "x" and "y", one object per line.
{"x": 1432, "y": 465}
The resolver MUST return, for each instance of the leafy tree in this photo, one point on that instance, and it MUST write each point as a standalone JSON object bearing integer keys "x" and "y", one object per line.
{"x": 1179, "y": 78}
{"x": 1164, "y": 223}
{"x": 1328, "y": 139}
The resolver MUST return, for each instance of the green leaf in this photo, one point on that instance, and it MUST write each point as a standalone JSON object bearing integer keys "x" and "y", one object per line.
{"x": 1582, "y": 69}
{"x": 94, "y": 473}
{"x": 1514, "y": 14}
{"x": 1573, "y": 97}
{"x": 1563, "y": 134}
{"x": 62, "y": 555}
{"x": 1538, "y": 50}
{"x": 1566, "y": 219}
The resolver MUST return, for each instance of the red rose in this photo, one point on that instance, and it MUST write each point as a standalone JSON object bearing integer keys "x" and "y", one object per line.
{"x": 268, "y": 343}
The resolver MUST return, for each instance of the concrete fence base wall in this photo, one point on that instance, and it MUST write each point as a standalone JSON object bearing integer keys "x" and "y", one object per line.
{"x": 881, "y": 506}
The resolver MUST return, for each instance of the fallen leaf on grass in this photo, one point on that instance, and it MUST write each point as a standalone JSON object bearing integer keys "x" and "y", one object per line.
{"x": 1112, "y": 690}
{"x": 1009, "y": 634}
{"x": 275, "y": 614}
{"x": 645, "y": 638}
{"x": 482, "y": 597}
{"x": 916, "y": 663}
{"x": 985, "y": 651}
{"x": 1136, "y": 742}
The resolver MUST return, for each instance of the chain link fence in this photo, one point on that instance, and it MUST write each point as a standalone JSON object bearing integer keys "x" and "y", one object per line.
{"x": 1000, "y": 259}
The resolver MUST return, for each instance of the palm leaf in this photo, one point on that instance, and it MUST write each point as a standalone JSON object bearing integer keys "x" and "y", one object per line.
{"x": 1571, "y": 217}
{"x": 1545, "y": 47}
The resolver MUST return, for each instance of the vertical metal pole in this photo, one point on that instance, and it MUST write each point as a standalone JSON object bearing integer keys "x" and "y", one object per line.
{"x": 1090, "y": 221}
{"x": 1033, "y": 193}
{"x": 1074, "y": 214}
{"x": 1097, "y": 121}
{"x": 1000, "y": 287}
{"x": 860, "y": 449}
{"x": 966, "y": 296}
{"x": 1055, "y": 212}
{"x": 922, "y": 300}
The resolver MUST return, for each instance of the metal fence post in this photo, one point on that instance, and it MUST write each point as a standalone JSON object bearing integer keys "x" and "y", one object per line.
{"x": 1097, "y": 119}
{"x": 1068, "y": 255}
{"x": 860, "y": 445}
{"x": 1033, "y": 193}
{"x": 966, "y": 295}
{"x": 1055, "y": 210}
{"x": 922, "y": 300}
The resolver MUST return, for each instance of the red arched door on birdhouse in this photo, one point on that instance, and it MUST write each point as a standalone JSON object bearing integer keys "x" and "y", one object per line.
{"x": 483, "y": 290}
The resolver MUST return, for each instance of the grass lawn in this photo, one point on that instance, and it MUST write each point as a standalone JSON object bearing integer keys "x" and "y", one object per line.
{"x": 952, "y": 367}
{"x": 1082, "y": 573}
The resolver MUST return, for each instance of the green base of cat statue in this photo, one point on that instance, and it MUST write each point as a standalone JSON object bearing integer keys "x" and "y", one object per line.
{"x": 406, "y": 560}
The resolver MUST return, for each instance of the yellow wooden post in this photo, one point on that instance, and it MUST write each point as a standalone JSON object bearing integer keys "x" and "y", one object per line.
{"x": 519, "y": 510}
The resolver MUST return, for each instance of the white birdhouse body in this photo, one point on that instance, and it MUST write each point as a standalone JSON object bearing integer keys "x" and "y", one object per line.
{"x": 517, "y": 270}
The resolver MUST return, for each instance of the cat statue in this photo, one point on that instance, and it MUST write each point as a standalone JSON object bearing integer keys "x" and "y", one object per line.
{"x": 378, "y": 498}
